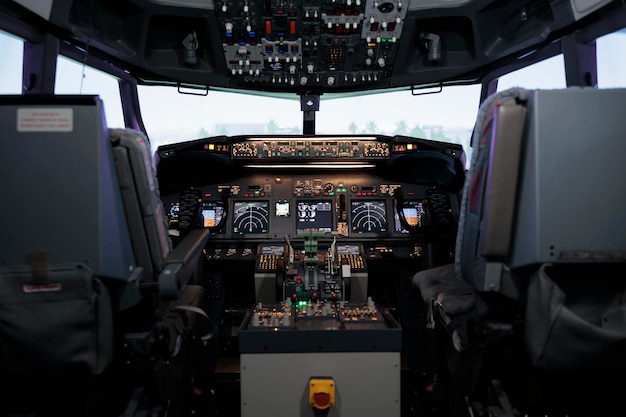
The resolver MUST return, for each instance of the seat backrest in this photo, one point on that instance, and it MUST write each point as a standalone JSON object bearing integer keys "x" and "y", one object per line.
{"x": 58, "y": 184}
{"x": 142, "y": 202}
{"x": 570, "y": 201}
{"x": 544, "y": 183}
{"x": 63, "y": 229}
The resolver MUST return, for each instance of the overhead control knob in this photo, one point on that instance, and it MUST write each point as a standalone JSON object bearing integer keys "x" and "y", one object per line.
{"x": 229, "y": 27}
{"x": 330, "y": 80}
{"x": 303, "y": 80}
{"x": 370, "y": 52}
{"x": 368, "y": 61}
{"x": 242, "y": 50}
{"x": 224, "y": 7}
{"x": 292, "y": 69}
{"x": 381, "y": 62}
{"x": 310, "y": 68}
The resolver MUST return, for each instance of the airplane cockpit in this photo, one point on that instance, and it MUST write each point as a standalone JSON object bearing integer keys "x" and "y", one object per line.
{"x": 312, "y": 208}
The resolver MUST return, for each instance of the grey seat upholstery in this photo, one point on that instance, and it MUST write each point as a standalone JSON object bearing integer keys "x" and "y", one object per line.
{"x": 541, "y": 228}
{"x": 170, "y": 269}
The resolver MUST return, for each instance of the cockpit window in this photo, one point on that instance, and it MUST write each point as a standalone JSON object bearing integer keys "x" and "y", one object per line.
{"x": 171, "y": 117}
{"x": 75, "y": 78}
{"x": 448, "y": 116}
{"x": 11, "y": 69}
{"x": 611, "y": 60}
{"x": 546, "y": 74}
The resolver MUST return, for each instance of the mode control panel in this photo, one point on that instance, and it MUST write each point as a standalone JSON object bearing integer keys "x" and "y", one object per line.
{"x": 310, "y": 149}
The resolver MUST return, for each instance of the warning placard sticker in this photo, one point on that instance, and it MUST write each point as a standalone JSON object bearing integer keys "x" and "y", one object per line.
{"x": 45, "y": 120}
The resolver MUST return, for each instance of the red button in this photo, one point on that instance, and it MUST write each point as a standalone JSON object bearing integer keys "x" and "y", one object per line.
{"x": 321, "y": 399}
{"x": 268, "y": 27}
{"x": 292, "y": 27}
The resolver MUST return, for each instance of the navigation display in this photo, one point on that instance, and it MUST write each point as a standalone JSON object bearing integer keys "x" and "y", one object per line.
{"x": 317, "y": 215}
{"x": 413, "y": 213}
{"x": 251, "y": 217}
{"x": 368, "y": 216}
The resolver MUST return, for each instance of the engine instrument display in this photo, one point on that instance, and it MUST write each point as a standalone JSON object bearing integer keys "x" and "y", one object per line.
{"x": 317, "y": 215}
{"x": 251, "y": 217}
{"x": 368, "y": 216}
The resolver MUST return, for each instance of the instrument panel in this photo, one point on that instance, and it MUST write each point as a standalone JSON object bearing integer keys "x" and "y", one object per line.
{"x": 352, "y": 205}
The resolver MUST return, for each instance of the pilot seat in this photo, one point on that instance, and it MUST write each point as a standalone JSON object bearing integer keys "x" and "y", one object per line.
{"x": 99, "y": 315}
{"x": 531, "y": 315}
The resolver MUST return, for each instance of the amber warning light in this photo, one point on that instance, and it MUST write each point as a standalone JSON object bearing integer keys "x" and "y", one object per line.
{"x": 216, "y": 147}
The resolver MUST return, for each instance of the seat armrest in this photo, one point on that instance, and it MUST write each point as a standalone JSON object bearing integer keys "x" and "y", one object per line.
{"x": 181, "y": 263}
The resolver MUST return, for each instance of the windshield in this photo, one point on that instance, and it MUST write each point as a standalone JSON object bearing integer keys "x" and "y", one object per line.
{"x": 171, "y": 117}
